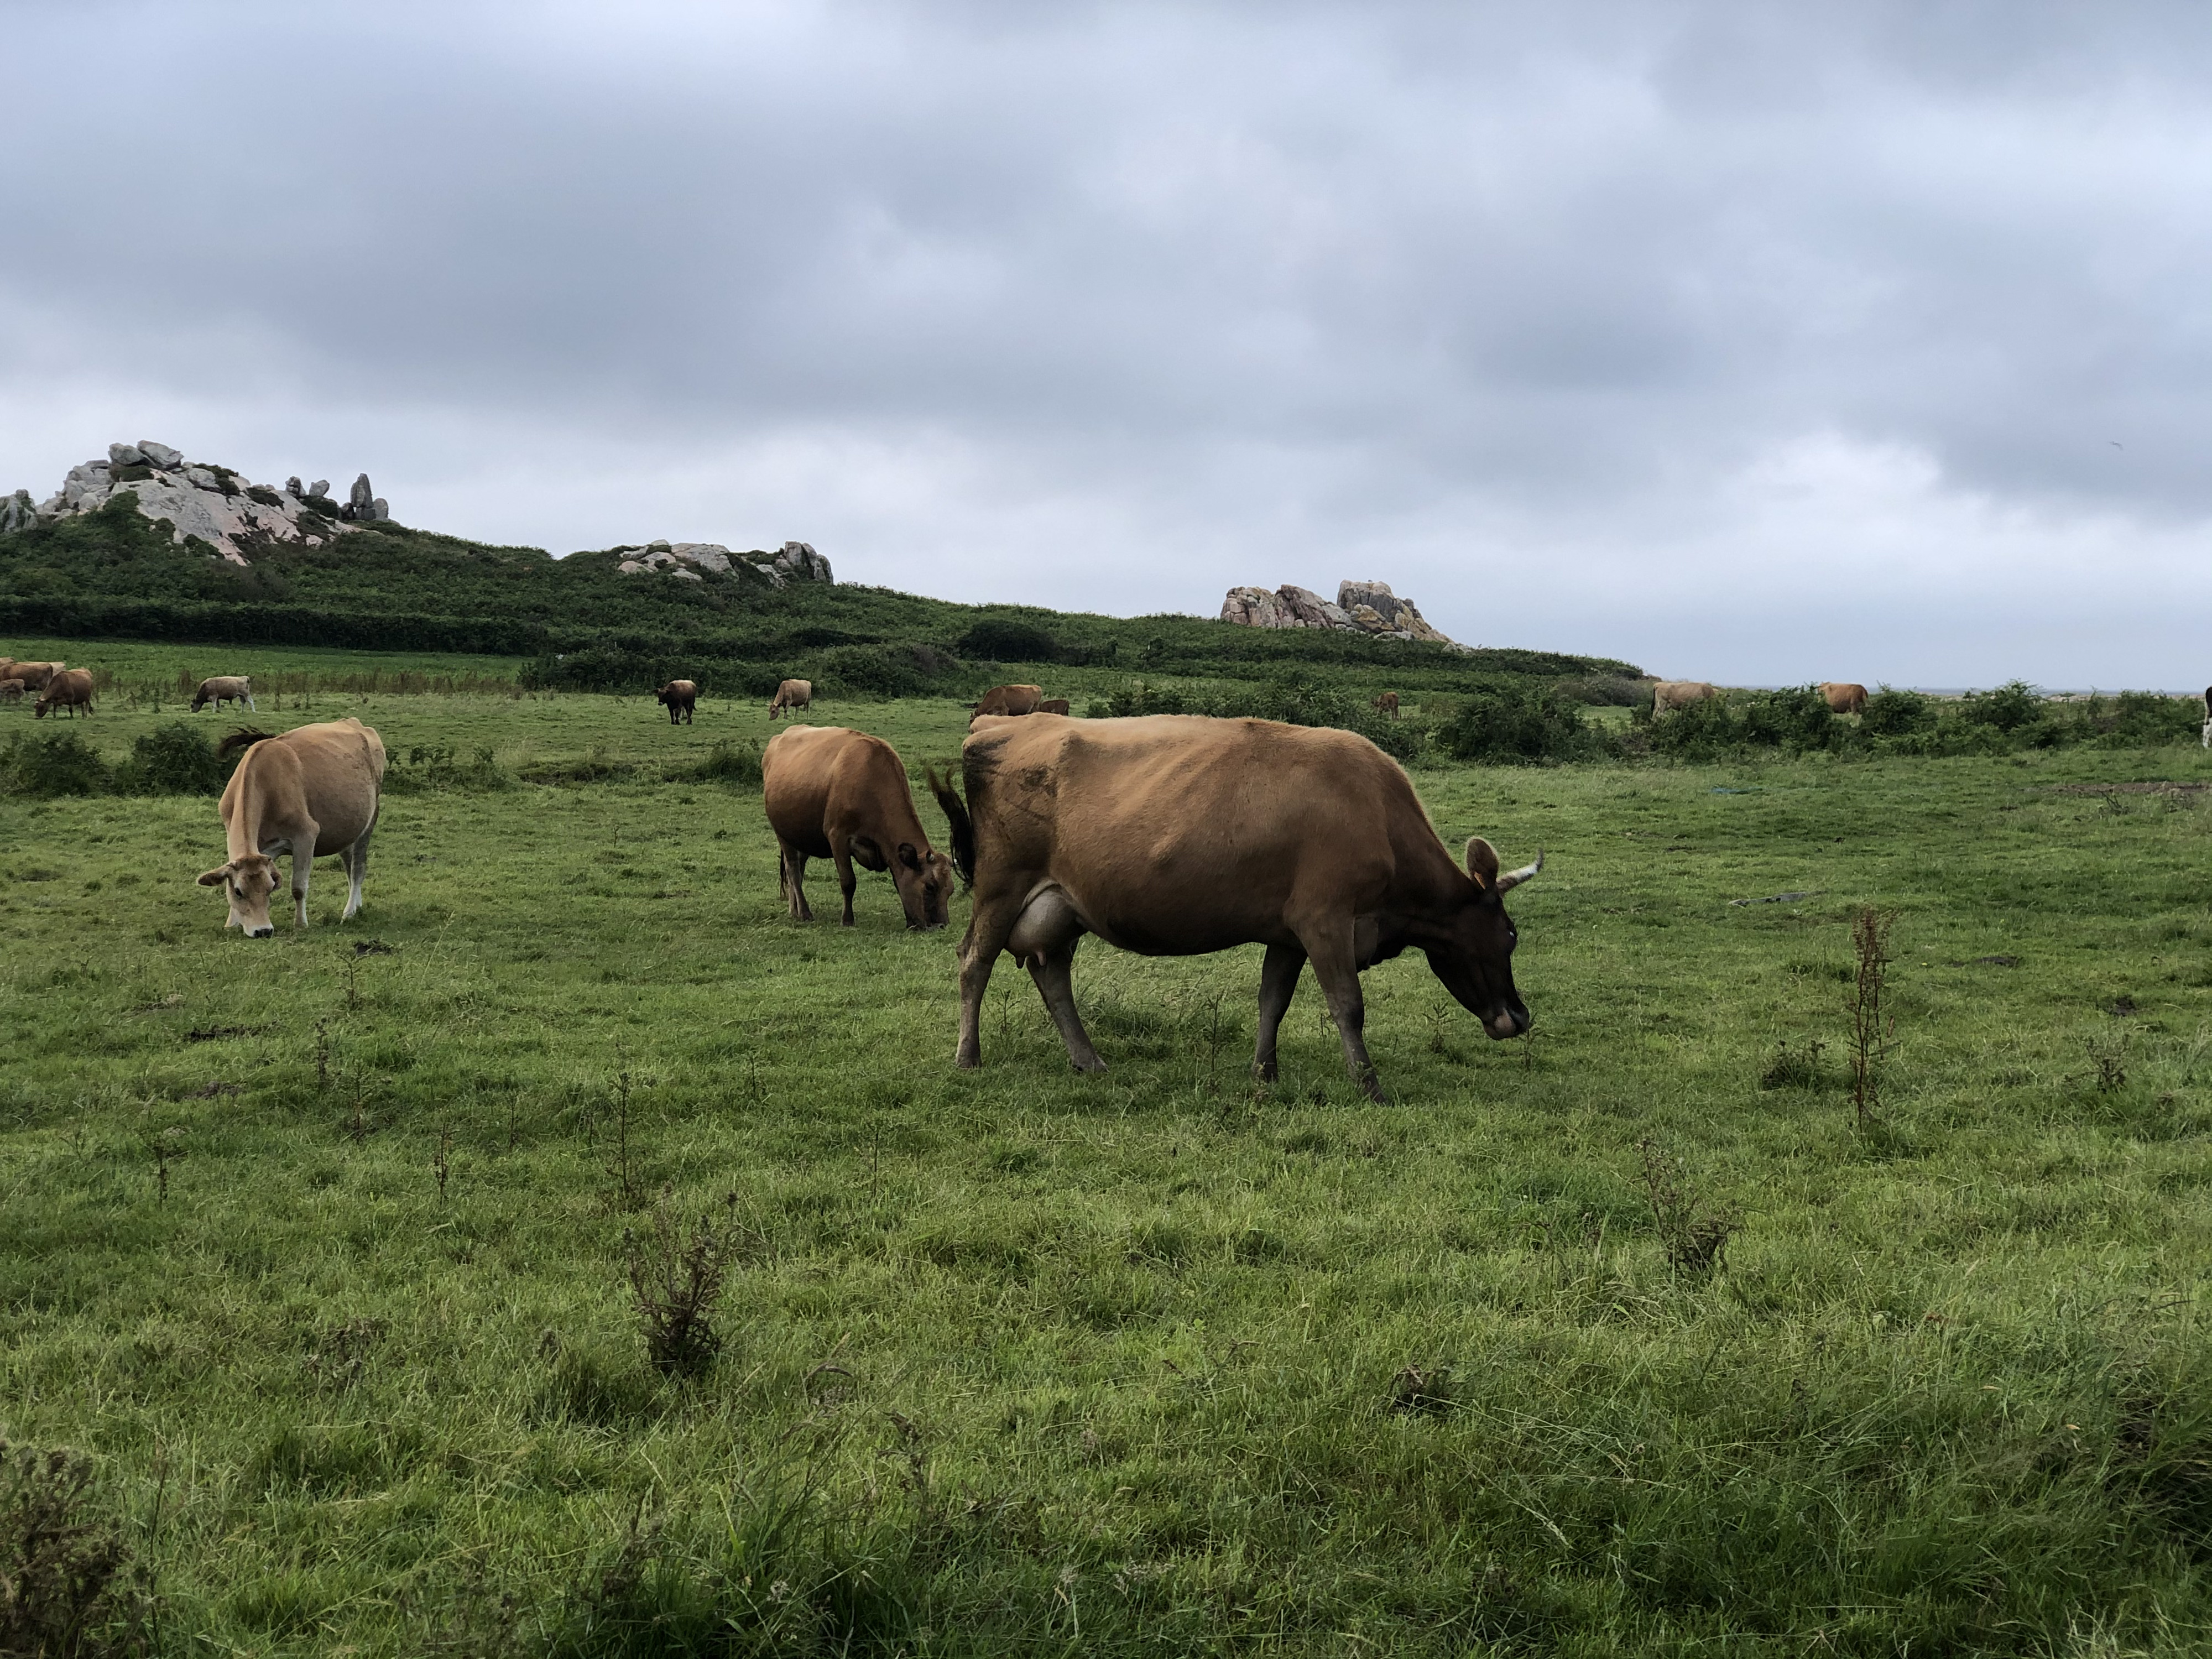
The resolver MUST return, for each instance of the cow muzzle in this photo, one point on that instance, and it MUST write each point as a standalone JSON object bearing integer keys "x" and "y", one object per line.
{"x": 266, "y": 930}
{"x": 1506, "y": 1023}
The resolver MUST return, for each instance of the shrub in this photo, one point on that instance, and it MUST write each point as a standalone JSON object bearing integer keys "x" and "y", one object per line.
{"x": 1892, "y": 713}
{"x": 738, "y": 763}
{"x": 1797, "y": 719}
{"x": 2010, "y": 708}
{"x": 68, "y": 1585}
{"x": 999, "y": 639}
{"x": 52, "y": 764}
{"x": 1516, "y": 727}
{"x": 1609, "y": 690}
{"x": 171, "y": 759}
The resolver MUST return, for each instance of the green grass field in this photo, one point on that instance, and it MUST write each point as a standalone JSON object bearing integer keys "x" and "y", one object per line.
{"x": 324, "y": 1255}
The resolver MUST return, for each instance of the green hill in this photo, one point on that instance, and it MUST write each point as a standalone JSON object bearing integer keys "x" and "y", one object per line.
{"x": 114, "y": 574}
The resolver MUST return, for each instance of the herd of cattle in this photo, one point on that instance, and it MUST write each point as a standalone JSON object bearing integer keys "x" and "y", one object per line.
{"x": 60, "y": 686}
{"x": 1164, "y": 835}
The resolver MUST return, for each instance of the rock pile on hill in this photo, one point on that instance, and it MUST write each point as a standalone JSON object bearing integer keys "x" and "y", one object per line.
{"x": 794, "y": 562}
{"x": 228, "y": 512}
{"x": 1360, "y": 608}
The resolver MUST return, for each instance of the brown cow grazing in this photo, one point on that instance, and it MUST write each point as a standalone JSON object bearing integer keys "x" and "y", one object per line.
{"x": 682, "y": 696}
{"x": 790, "y": 695}
{"x": 71, "y": 689}
{"x": 1843, "y": 698}
{"x": 222, "y": 689}
{"x": 1008, "y": 699}
{"x": 34, "y": 675}
{"x": 11, "y": 690}
{"x": 833, "y": 793}
{"x": 1052, "y": 706}
{"x": 1175, "y": 835}
{"x": 314, "y": 791}
{"x": 1388, "y": 704}
{"x": 1680, "y": 694}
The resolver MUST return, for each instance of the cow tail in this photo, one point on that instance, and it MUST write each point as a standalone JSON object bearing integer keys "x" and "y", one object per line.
{"x": 963, "y": 827}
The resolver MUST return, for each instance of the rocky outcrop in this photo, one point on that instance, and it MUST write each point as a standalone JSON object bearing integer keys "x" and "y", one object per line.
{"x": 1360, "y": 608}
{"x": 200, "y": 501}
{"x": 795, "y": 562}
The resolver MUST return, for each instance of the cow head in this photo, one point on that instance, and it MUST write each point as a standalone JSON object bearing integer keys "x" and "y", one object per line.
{"x": 924, "y": 881}
{"x": 247, "y": 881}
{"x": 1474, "y": 958}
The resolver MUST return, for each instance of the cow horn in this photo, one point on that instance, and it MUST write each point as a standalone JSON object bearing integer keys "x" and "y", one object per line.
{"x": 1514, "y": 878}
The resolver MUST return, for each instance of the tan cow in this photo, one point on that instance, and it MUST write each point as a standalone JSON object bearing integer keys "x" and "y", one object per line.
{"x": 1680, "y": 694}
{"x": 839, "y": 794}
{"x": 34, "y": 675}
{"x": 224, "y": 688}
{"x": 1843, "y": 698}
{"x": 1052, "y": 706}
{"x": 11, "y": 690}
{"x": 71, "y": 689}
{"x": 682, "y": 696}
{"x": 314, "y": 791}
{"x": 1008, "y": 699}
{"x": 1388, "y": 704}
{"x": 1175, "y": 835}
{"x": 791, "y": 696}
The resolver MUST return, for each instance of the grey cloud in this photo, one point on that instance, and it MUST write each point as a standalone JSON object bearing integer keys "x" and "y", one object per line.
{"x": 1257, "y": 284}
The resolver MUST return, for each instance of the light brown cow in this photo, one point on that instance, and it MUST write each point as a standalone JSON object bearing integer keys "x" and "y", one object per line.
{"x": 224, "y": 688}
{"x": 1175, "y": 835}
{"x": 314, "y": 791}
{"x": 1052, "y": 706}
{"x": 839, "y": 794}
{"x": 1388, "y": 704}
{"x": 11, "y": 690}
{"x": 1008, "y": 699}
{"x": 1843, "y": 698}
{"x": 1680, "y": 694}
{"x": 71, "y": 689}
{"x": 791, "y": 696}
{"x": 34, "y": 675}
{"x": 682, "y": 696}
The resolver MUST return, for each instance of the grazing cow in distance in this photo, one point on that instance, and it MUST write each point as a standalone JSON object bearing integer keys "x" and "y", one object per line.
{"x": 790, "y": 695}
{"x": 71, "y": 689}
{"x": 1680, "y": 694}
{"x": 1008, "y": 699}
{"x": 34, "y": 675}
{"x": 11, "y": 690}
{"x": 224, "y": 688}
{"x": 1052, "y": 706}
{"x": 1388, "y": 704}
{"x": 1843, "y": 698}
{"x": 1175, "y": 835}
{"x": 312, "y": 792}
{"x": 682, "y": 696}
{"x": 843, "y": 795}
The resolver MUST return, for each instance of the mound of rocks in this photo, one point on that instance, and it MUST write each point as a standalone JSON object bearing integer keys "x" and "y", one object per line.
{"x": 794, "y": 562}
{"x": 1360, "y": 608}
{"x": 229, "y": 512}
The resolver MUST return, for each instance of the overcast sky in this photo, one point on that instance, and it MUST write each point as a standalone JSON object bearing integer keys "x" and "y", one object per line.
{"x": 1755, "y": 343}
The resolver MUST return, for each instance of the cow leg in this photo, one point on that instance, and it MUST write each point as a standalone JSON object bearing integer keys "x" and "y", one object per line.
{"x": 356, "y": 863}
{"x": 990, "y": 924}
{"x": 840, "y": 854}
{"x": 1336, "y": 967}
{"x": 1279, "y": 980}
{"x": 1056, "y": 982}
{"x": 793, "y": 872}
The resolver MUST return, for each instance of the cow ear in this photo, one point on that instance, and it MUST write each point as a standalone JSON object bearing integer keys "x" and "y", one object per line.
{"x": 909, "y": 857}
{"x": 1482, "y": 863}
{"x": 215, "y": 877}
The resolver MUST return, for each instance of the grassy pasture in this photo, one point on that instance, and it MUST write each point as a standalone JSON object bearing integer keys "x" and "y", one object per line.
{"x": 1017, "y": 1360}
